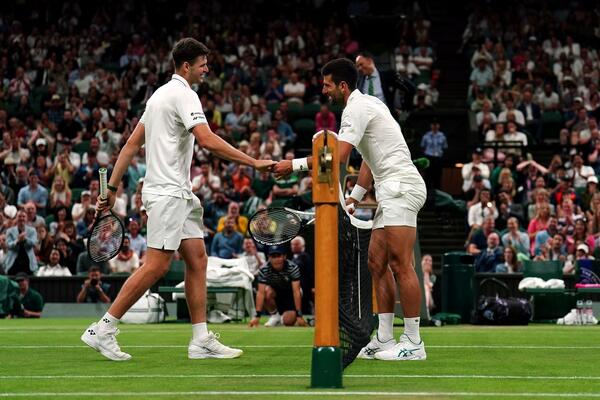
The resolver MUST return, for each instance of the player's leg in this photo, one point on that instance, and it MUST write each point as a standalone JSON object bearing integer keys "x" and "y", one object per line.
{"x": 385, "y": 290}
{"x": 400, "y": 220}
{"x": 101, "y": 335}
{"x": 204, "y": 344}
{"x": 271, "y": 300}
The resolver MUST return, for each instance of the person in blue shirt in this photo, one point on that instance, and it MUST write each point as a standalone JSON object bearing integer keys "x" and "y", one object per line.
{"x": 228, "y": 243}
{"x": 434, "y": 144}
{"x": 33, "y": 192}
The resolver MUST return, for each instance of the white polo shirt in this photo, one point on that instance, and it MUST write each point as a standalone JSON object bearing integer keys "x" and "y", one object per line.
{"x": 368, "y": 125}
{"x": 171, "y": 113}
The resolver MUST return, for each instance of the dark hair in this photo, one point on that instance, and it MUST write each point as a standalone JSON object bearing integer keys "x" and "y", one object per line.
{"x": 366, "y": 54}
{"x": 94, "y": 268}
{"x": 341, "y": 70}
{"x": 188, "y": 49}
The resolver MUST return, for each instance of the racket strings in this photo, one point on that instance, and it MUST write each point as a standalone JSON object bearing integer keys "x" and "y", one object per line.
{"x": 275, "y": 226}
{"x": 105, "y": 239}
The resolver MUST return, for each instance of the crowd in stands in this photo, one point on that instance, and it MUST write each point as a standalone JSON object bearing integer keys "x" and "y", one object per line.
{"x": 74, "y": 80}
{"x": 534, "y": 83}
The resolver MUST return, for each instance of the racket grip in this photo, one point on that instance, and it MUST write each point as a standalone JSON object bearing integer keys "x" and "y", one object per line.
{"x": 103, "y": 175}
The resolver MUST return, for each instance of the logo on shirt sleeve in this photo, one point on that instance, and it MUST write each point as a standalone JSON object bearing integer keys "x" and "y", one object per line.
{"x": 197, "y": 116}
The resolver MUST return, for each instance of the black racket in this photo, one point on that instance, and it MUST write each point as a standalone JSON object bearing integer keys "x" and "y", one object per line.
{"x": 278, "y": 225}
{"x": 107, "y": 234}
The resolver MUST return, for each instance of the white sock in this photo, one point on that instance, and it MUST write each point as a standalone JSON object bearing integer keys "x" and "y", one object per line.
{"x": 199, "y": 331}
{"x": 107, "y": 322}
{"x": 411, "y": 329}
{"x": 385, "y": 331}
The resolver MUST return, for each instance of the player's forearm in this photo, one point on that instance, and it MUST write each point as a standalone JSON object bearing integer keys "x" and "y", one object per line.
{"x": 260, "y": 301}
{"x": 365, "y": 176}
{"x": 216, "y": 145}
{"x": 297, "y": 299}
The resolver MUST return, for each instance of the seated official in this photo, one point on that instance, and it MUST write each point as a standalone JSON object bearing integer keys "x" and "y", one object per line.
{"x": 279, "y": 291}
{"x": 32, "y": 302}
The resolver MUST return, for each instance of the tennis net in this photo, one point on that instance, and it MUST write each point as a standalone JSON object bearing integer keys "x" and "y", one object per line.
{"x": 356, "y": 319}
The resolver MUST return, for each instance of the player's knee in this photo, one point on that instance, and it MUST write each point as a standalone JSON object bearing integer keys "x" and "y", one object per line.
{"x": 289, "y": 318}
{"x": 401, "y": 266}
{"x": 376, "y": 267}
{"x": 269, "y": 293}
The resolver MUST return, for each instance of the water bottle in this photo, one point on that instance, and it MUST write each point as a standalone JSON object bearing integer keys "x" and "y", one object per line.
{"x": 580, "y": 316}
{"x": 589, "y": 312}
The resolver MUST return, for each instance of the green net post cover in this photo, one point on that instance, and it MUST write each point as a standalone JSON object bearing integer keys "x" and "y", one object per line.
{"x": 326, "y": 371}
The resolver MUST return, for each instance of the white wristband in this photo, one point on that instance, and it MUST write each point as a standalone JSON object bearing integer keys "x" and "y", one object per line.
{"x": 358, "y": 192}
{"x": 300, "y": 164}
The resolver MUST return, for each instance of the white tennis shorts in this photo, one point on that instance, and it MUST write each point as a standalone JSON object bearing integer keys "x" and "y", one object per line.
{"x": 172, "y": 219}
{"x": 398, "y": 203}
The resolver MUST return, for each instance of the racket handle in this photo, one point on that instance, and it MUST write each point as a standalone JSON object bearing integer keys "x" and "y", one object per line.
{"x": 103, "y": 173}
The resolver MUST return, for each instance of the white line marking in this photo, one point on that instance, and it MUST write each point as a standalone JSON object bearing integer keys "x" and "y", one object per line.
{"x": 294, "y": 393}
{"x": 394, "y": 376}
{"x": 278, "y": 346}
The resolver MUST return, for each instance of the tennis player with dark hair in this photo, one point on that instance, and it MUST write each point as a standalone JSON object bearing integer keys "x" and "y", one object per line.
{"x": 172, "y": 120}
{"x": 368, "y": 125}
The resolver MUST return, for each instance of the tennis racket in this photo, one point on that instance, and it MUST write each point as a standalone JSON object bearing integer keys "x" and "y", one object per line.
{"x": 274, "y": 226}
{"x": 106, "y": 236}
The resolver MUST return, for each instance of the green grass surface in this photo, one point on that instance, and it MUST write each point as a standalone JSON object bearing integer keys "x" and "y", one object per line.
{"x": 45, "y": 359}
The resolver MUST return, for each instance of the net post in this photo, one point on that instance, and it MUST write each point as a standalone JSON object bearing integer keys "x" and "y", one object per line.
{"x": 326, "y": 371}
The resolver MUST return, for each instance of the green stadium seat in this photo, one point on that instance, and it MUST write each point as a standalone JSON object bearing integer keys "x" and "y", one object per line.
{"x": 294, "y": 111}
{"x": 76, "y": 194}
{"x": 543, "y": 269}
{"x": 272, "y": 107}
{"x": 82, "y": 147}
{"x": 310, "y": 110}
{"x": 49, "y": 219}
{"x": 304, "y": 126}
{"x": 176, "y": 273}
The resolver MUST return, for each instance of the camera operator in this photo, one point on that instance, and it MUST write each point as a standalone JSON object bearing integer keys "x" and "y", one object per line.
{"x": 93, "y": 289}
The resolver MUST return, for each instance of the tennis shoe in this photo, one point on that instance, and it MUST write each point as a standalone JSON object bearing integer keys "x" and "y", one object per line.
{"x": 210, "y": 347}
{"x": 405, "y": 350}
{"x": 374, "y": 346}
{"x": 104, "y": 342}
{"x": 274, "y": 320}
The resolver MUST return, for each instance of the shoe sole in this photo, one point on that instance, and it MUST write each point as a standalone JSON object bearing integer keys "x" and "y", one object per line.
{"x": 365, "y": 357}
{"x": 219, "y": 356}
{"x": 85, "y": 339}
{"x": 420, "y": 358}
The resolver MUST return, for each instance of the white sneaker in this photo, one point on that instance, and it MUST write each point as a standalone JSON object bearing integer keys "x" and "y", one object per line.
{"x": 104, "y": 342}
{"x": 210, "y": 347}
{"x": 374, "y": 346}
{"x": 405, "y": 350}
{"x": 274, "y": 320}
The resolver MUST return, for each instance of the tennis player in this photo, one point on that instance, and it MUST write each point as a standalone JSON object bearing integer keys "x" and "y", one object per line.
{"x": 172, "y": 120}
{"x": 368, "y": 125}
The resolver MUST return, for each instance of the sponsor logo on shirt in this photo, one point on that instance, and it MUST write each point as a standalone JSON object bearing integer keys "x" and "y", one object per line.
{"x": 196, "y": 116}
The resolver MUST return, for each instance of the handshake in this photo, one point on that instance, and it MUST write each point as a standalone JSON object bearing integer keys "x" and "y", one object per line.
{"x": 280, "y": 169}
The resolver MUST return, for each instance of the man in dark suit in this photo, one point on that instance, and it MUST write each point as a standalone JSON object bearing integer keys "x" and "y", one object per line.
{"x": 533, "y": 115}
{"x": 371, "y": 81}
{"x": 487, "y": 260}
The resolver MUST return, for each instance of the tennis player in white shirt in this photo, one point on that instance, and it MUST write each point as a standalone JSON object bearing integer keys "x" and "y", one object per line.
{"x": 173, "y": 119}
{"x": 368, "y": 125}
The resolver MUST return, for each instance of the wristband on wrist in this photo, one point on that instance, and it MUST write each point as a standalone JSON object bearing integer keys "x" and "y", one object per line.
{"x": 111, "y": 188}
{"x": 358, "y": 192}
{"x": 298, "y": 314}
{"x": 300, "y": 164}
{"x": 258, "y": 313}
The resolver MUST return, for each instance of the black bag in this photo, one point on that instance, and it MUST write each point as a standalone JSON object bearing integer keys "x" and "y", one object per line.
{"x": 497, "y": 310}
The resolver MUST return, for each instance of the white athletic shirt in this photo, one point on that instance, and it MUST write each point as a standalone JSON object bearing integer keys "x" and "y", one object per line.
{"x": 368, "y": 125}
{"x": 171, "y": 113}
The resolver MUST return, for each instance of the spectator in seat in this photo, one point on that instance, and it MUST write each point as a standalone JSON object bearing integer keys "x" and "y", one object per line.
{"x": 532, "y": 113}
{"x": 580, "y": 235}
{"x": 33, "y": 192}
{"x": 325, "y": 119}
{"x": 32, "y": 301}
{"x": 593, "y": 216}
{"x": 294, "y": 89}
{"x": 579, "y": 172}
{"x": 254, "y": 258}
{"x": 511, "y": 263}
{"x": 45, "y": 244}
{"x": 370, "y": 80}
{"x": 478, "y": 240}
{"x": 233, "y": 211}
{"x": 515, "y": 238}
{"x": 591, "y": 188}
{"x": 582, "y": 253}
{"x": 428, "y": 280}
{"x": 553, "y": 250}
{"x": 467, "y": 170}
{"x": 307, "y": 274}
{"x": 93, "y": 289}
{"x": 491, "y": 256}
{"x": 484, "y": 208}
{"x": 228, "y": 243}
{"x": 32, "y": 218}
{"x": 53, "y": 268}
{"x": 21, "y": 240}
{"x": 137, "y": 242}
{"x": 279, "y": 291}
{"x": 126, "y": 260}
